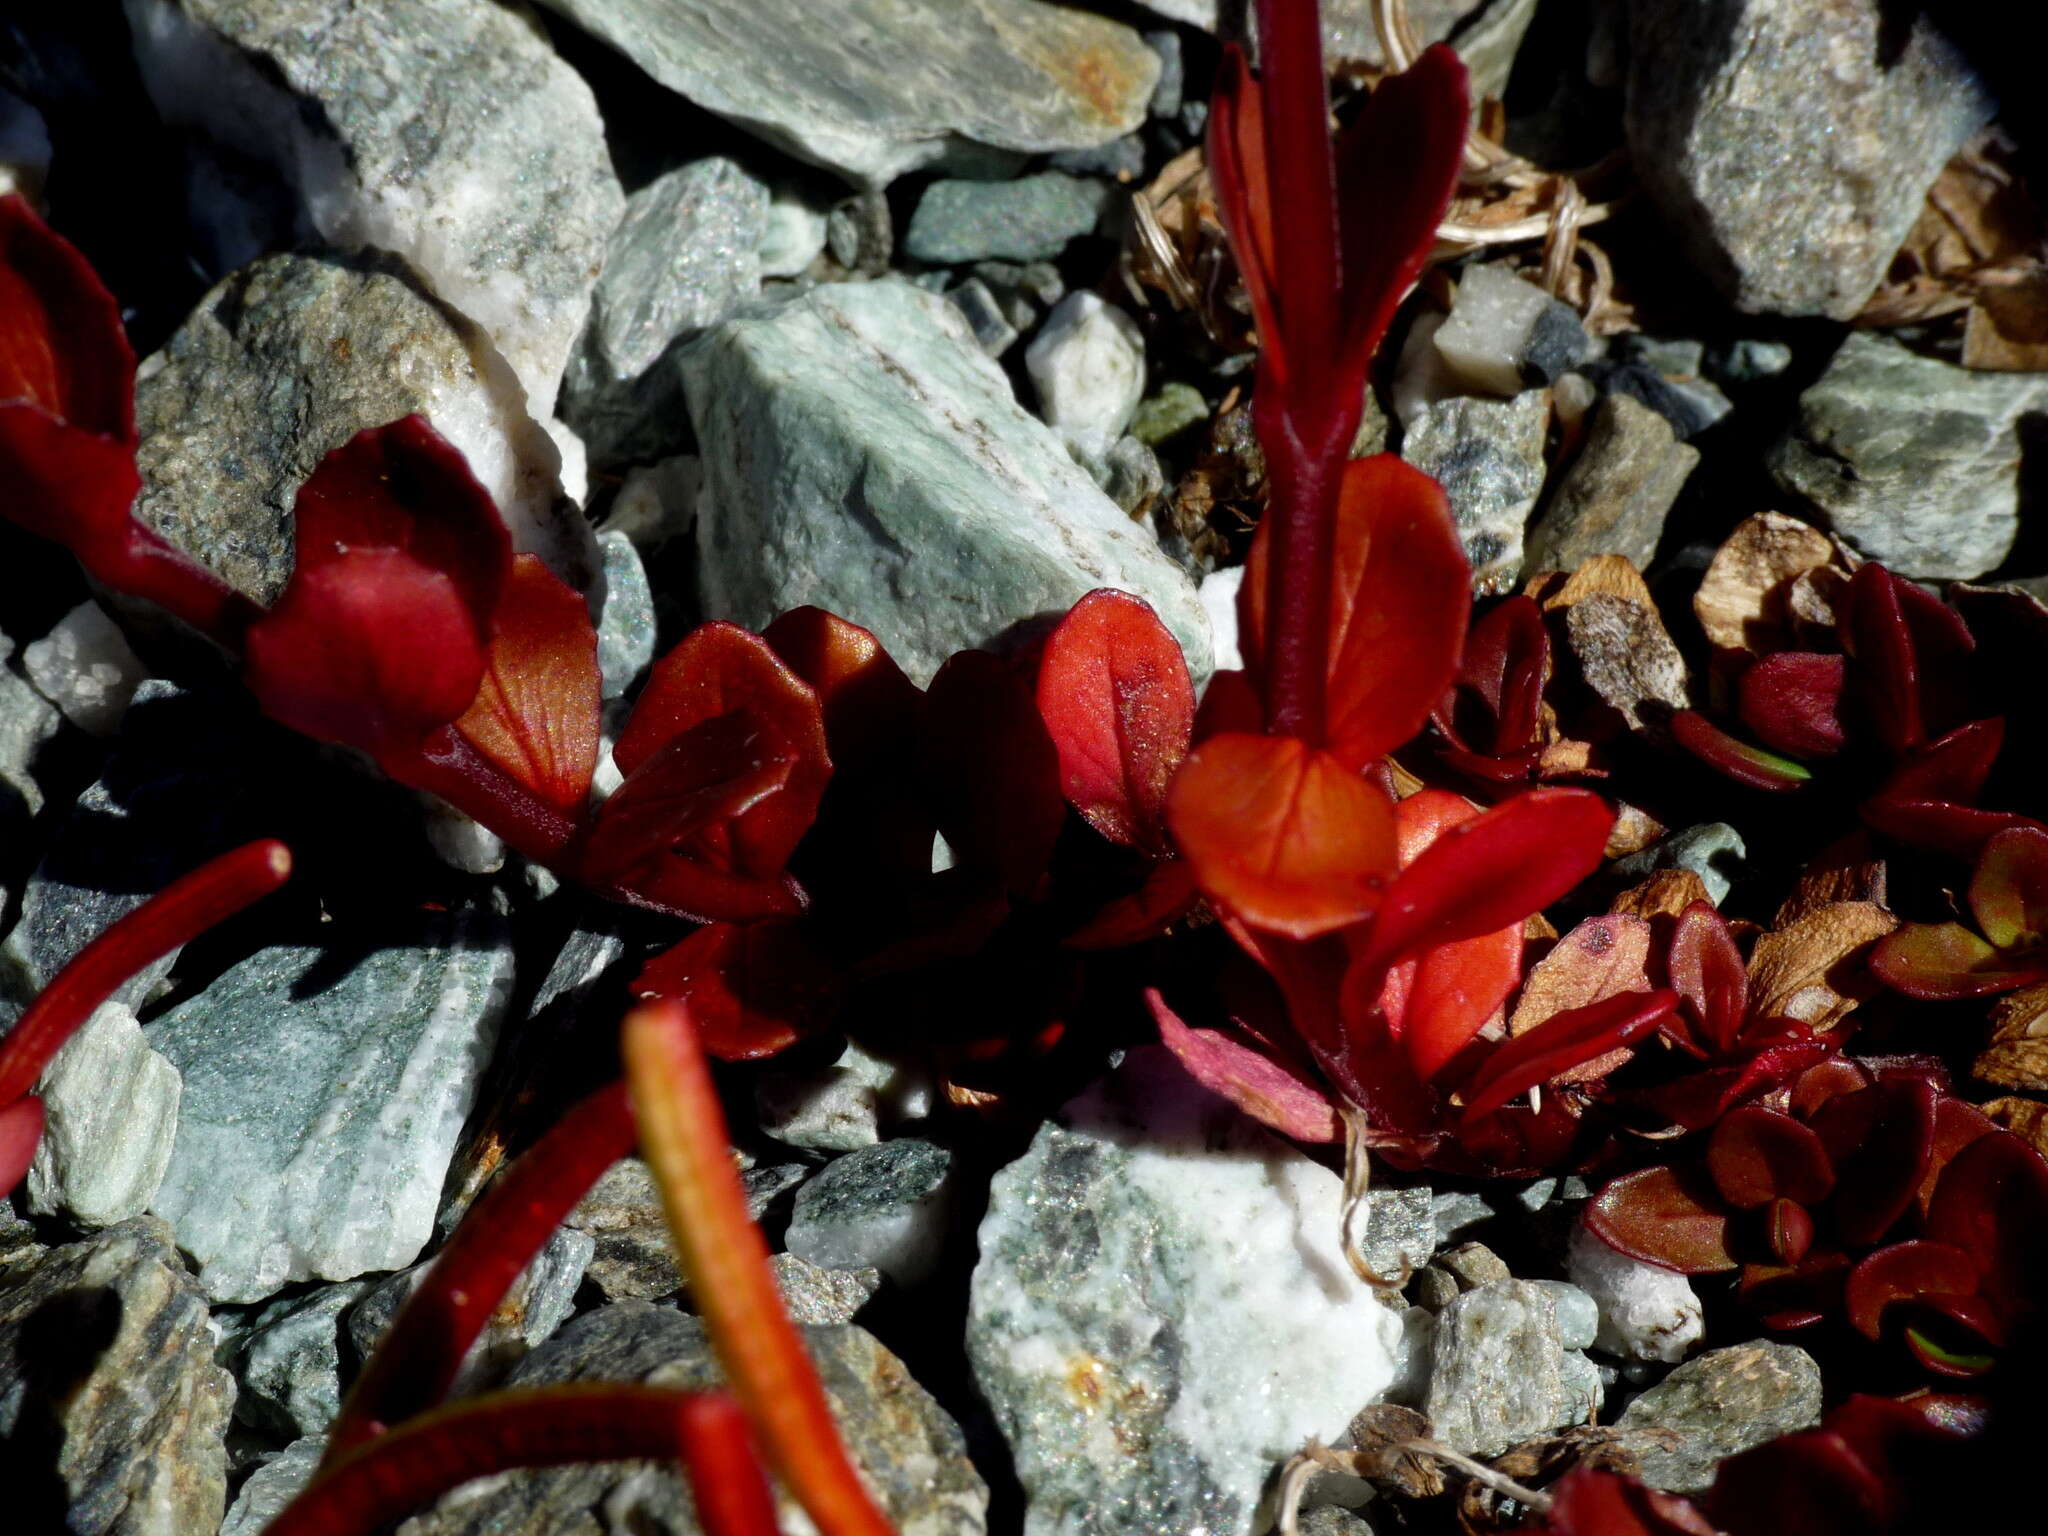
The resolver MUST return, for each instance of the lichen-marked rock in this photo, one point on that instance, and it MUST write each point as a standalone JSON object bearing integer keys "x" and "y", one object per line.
{"x": 1724, "y": 1402}
{"x": 883, "y": 1207}
{"x": 863, "y": 454}
{"x": 1488, "y": 456}
{"x": 111, "y": 1406}
{"x": 1161, "y": 1313}
{"x": 324, "y": 1089}
{"x": 1503, "y": 1370}
{"x": 912, "y": 1455}
{"x": 447, "y": 132}
{"x": 889, "y": 86}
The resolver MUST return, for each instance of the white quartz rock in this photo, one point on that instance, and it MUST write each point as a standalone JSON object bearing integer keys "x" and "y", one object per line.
{"x": 1218, "y": 592}
{"x": 1646, "y": 1312}
{"x": 85, "y": 667}
{"x": 1088, "y": 363}
{"x": 110, "y": 1108}
{"x": 1161, "y": 1314}
{"x": 843, "y": 1107}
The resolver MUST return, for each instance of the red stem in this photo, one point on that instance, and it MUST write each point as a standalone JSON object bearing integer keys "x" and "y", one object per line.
{"x": 150, "y": 569}
{"x": 732, "y": 1493}
{"x": 504, "y": 1431}
{"x": 420, "y": 1355}
{"x": 174, "y": 917}
{"x": 445, "y": 764}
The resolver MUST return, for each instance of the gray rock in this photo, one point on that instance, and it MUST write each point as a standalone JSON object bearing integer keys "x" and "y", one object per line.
{"x": 85, "y": 667}
{"x": 1348, "y": 31}
{"x": 1691, "y": 404}
{"x": 1488, "y": 455}
{"x": 272, "y": 1486}
{"x": 445, "y": 132}
{"x": 884, "y": 1207}
{"x": 891, "y": 85}
{"x": 1915, "y": 462}
{"x": 288, "y": 1362}
{"x": 1615, "y": 497}
{"x": 1399, "y": 1229}
{"x": 992, "y": 328}
{"x": 539, "y": 1302}
{"x": 913, "y": 1456}
{"x": 1022, "y": 288}
{"x": 1505, "y": 334}
{"x": 814, "y": 1294}
{"x": 1087, "y": 363}
{"x": 626, "y": 633}
{"x": 842, "y": 1107}
{"x": 288, "y": 359}
{"x": 1789, "y": 147}
{"x": 861, "y": 453}
{"x": 1132, "y": 477}
{"x": 1578, "y": 1315}
{"x": 28, "y": 723}
{"x": 323, "y": 1096}
{"x": 1713, "y": 850}
{"x": 1161, "y": 1313}
{"x": 633, "y": 1257}
{"x": 687, "y": 253}
{"x": 107, "y": 1370}
{"x": 1121, "y": 160}
{"x": 1472, "y": 1265}
{"x": 1029, "y": 219}
{"x": 110, "y": 1113}
{"x": 1726, "y": 1401}
{"x": 1176, "y": 407}
{"x": 1747, "y": 360}
{"x": 1502, "y": 1373}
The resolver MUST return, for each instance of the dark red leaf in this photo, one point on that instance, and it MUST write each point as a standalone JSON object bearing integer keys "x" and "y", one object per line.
{"x": 1956, "y": 1125}
{"x": 1168, "y": 895}
{"x": 1505, "y": 663}
{"x": 1652, "y": 1215}
{"x": 1230, "y": 703}
{"x": 1757, "y": 1155}
{"x": 1992, "y": 1203}
{"x": 1257, "y": 1084}
{"x": 1707, "y": 973}
{"x": 1590, "y": 1502}
{"x": 1825, "y": 1080}
{"x": 1283, "y": 836}
{"x": 1792, "y": 702}
{"x": 1738, "y": 760}
{"x": 1237, "y": 170}
{"x": 1904, "y": 1272}
{"x": 754, "y": 989}
{"x": 2009, "y": 891}
{"x": 990, "y": 771}
{"x": 1696, "y": 1100}
{"x": 1796, "y": 1295}
{"x": 870, "y": 707}
{"x": 1880, "y": 1140}
{"x": 1561, "y": 1042}
{"x": 63, "y": 350}
{"x": 535, "y": 714}
{"x": 1788, "y": 1231}
{"x": 1113, "y": 692}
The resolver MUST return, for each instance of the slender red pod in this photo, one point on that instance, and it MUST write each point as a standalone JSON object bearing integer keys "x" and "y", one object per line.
{"x": 426, "y": 1343}
{"x": 172, "y": 918}
{"x": 371, "y": 1488}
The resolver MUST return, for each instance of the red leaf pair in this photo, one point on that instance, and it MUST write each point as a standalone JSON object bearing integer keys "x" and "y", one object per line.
{"x": 2008, "y": 897}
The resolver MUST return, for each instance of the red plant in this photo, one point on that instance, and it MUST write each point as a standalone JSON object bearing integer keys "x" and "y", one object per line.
{"x": 168, "y": 921}
{"x": 1881, "y": 1197}
{"x": 2009, "y": 899}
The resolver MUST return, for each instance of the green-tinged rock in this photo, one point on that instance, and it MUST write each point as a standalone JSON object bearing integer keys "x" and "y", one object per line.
{"x": 1028, "y": 219}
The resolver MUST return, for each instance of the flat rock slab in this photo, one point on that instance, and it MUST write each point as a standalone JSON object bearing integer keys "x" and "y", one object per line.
{"x": 111, "y": 1406}
{"x": 323, "y": 1096}
{"x": 863, "y": 454}
{"x": 1789, "y": 145}
{"x": 446, "y": 132}
{"x": 1161, "y": 1314}
{"x": 887, "y": 86}
{"x": 1724, "y": 1402}
{"x": 1914, "y": 461}
{"x": 285, "y": 361}
{"x": 911, "y": 1454}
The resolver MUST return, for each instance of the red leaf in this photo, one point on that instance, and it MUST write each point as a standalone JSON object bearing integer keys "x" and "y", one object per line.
{"x": 1904, "y": 1272}
{"x": 536, "y": 713}
{"x": 1939, "y": 962}
{"x": 1505, "y": 663}
{"x": 1248, "y": 1078}
{"x": 1992, "y": 1202}
{"x": 1738, "y": 760}
{"x": 1168, "y": 895}
{"x": 1237, "y": 169}
{"x": 1399, "y": 597}
{"x": 1564, "y": 1040}
{"x": 1283, "y": 836}
{"x": 1229, "y": 703}
{"x": 1956, "y": 1125}
{"x": 1492, "y": 871}
{"x": 1953, "y": 768}
{"x": 1793, "y": 702}
{"x": 62, "y": 347}
{"x": 1757, "y": 1155}
{"x": 1651, "y": 1215}
{"x": 1590, "y": 1502}
{"x": 1707, "y": 972}
{"x": 753, "y": 989}
{"x": 2009, "y": 891}
{"x": 1454, "y": 990}
{"x": 1113, "y": 691}
{"x": 990, "y": 771}
{"x": 870, "y": 706}
{"x": 1880, "y": 1140}
{"x": 1698, "y": 1099}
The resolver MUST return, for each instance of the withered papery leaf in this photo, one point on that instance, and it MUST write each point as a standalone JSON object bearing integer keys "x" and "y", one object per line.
{"x": 1628, "y": 659}
{"x": 1742, "y": 600}
{"x": 1598, "y": 958}
{"x": 2017, "y": 1056}
{"x": 1812, "y": 970}
{"x": 1827, "y": 880}
{"x": 1634, "y": 830}
{"x": 1666, "y": 893}
{"x": 1383, "y": 1434}
{"x": 2025, "y": 1118}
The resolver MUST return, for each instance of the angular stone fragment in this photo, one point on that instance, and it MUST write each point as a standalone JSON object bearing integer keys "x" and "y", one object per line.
{"x": 28, "y": 722}
{"x": 685, "y": 256}
{"x": 288, "y": 1362}
{"x": 1488, "y": 456}
{"x": 109, "y": 1395}
{"x": 883, "y": 1207}
{"x": 272, "y": 1486}
{"x": 1505, "y": 334}
{"x": 1029, "y": 219}
{"x": 1724, "y": 1402}
{"x": 285, "y": 361}
{"x": 813, "y": 1294}
{"x": 890, "y": 85}
{"x": 861, "y": 453}
{"x": 633, "y": 1257}
{"x": 1502, "y": 1373}
{"x": 1087, "y": 363}
{"x": 626, "y": 634}
{"x": 1646, "y": 1312}
{"x": 322, "y": 1101}
{"x": 1615, "y": 497}
{"x": 1161, "y": 1313}
{"x": 110, "y": 1113}
{"x": 446, "y": 132}
{"x": 1789, "y": 145}
{"x": 85, "y": 667}
{"x": 1914, "y": 461}
{"x": 911, "y": 1454}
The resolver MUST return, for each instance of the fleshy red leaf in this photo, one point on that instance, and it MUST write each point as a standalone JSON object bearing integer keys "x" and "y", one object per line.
{"x": 1505, "y": 664}
{"x": 1399, "y": 597}
{"x": 1698, "y": 1099}
{"x": 63, "y": 350}
{"x": 536, "y": 712}
{"x": 1454, "y": 990}
{"x": 1707, "y": 972}
{"x": 1651, "y": 1215}
{"x": 1992, "y": 1202}
{"x": 1237, "y": 169}
{"x": 1113, "y": 691}
{"x": 1944, "y": 961}
{"x": 1250, "y": 1079}
{"x": 1283, "y": 836}
{"x": 2009, "y": 891}
{"x": 1493, "y": 870}
{"x": 754, "y": 989}
{"x": 1757, "y": 1155}
{"x": 1587, "y": 1501}
{"x": 1956, "y": 1124}
{"x": 1738, "y": 760}
{"x": 869, "y": 704}
{"x": 1793, "y": 702}
{"x": 21, "y": 1131}
{"x": 990, "y": 771}
{"x": 1564, "y": 1040}
{"x": 1880, "y": 1141}
{"x": 1229, "y": 703}
{"x": 1903, "y": 1272}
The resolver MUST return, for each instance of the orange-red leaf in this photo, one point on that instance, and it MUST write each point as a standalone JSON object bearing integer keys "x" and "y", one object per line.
{"x": 536, "y": 713}
{"x": 754, "y": 988}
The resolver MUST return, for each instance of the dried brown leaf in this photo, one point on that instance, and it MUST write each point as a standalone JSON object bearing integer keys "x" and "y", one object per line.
{"x": 2007, "y": 331}
{"x": 1742, "y": 602}
{"x": 1612, "y": 575}
{"x": 1666, "y": 893}
{"x": 1626, "y": 656}
{"x": 1839, "y": 875}
{"x": 1634, "y": 830}
{"x": 1598, "y": 958}
{"x": 1813, "y": 970}
{"x": 2025, "y": 1118}
{"x": 1383, "y": 1435}
{"x": 2017, "y": 1056}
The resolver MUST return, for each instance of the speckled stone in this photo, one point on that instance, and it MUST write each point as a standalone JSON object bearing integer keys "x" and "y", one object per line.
{"x": 1502, "y": 1373}
{"x": 110, "y": 1113}
{"x": 1726, "y": 1401}
{"x": 884, "y": 1207}
{"x": 626, "y": 633}
{"x": 287, "y": 1362}
{"x": 1488, "y": 456}
{"x": 273, "y": 1485}
{"x": 634, "y": 1258}
{"x": 1029, "y": 219}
